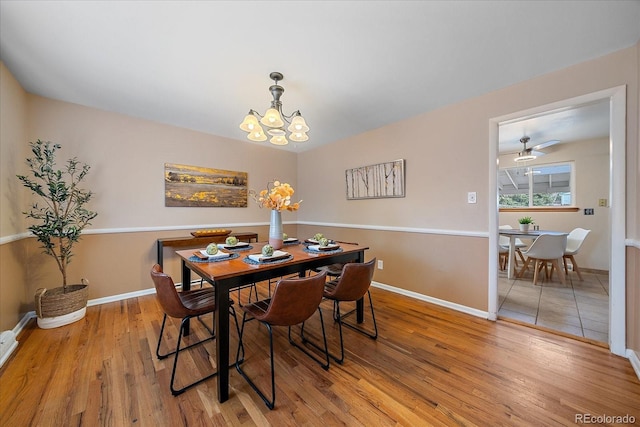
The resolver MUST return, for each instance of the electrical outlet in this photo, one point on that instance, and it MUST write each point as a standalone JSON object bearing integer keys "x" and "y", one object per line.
{"x": 380, "y": 264}
{"x": 471, "y": 197}
{"x": 602, "y": 203}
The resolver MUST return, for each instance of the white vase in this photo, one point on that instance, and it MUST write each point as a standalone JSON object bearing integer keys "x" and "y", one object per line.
{"x": 275, "y": 229}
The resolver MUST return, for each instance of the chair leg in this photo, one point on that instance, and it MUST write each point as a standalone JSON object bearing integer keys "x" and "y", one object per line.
{"x": 536, "y": 269}
{"x": 373, "y": 335}
{"x": 555, "y": 265}
{"x": 574, "y": 264}
{"x": 525, "y": 267}
{"x": 337, "y": 317}
{"x": 177, "y": 351}
{"x": 324, "y": 364}
{"x": 519, "y": 253}
{"x": 269, "y": 402}
{"x": 164, "y": 356}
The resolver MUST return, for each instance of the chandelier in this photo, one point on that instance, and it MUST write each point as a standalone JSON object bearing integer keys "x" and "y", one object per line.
{"x": 275, "y": 120}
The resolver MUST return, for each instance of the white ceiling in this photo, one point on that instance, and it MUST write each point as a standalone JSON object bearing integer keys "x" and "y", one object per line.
{"x": 349, "y": 66}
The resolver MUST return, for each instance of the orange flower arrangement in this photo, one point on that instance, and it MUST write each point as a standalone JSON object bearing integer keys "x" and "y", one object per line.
{"x": 276, "y": 196}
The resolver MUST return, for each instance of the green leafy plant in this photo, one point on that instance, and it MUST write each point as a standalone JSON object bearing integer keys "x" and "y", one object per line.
{"x": 526, "y": 220}
{"x": 61, "y": 216}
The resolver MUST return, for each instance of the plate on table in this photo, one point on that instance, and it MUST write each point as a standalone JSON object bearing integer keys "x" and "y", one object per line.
{"x": 207, "y": 233}
{"x": 276, "y": 256}
{"x": 236, "y": 246}
{"x": 330, "y": 247}
{"x": 290, "y": 240}
{"x": 202, "y": 254}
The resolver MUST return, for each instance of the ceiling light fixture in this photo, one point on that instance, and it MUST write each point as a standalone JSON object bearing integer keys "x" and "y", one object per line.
{"x": 275, "y": 120}
{"x": 526, "y": 153}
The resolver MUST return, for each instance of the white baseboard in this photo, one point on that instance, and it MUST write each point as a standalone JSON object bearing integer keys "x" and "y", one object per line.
{"x": 436, "y": 301}
{"x": 8, "y": 344}
{"x": 634, "y": 358}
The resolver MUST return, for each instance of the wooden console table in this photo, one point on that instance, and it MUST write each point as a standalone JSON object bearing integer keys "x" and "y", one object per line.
{"x": 182, "y": 242}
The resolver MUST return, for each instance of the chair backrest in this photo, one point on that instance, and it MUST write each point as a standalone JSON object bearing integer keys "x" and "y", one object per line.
{"x": 354, "y": 281}
{"x": 504, "y": 240}
{"x": 548, "y": 246}
{"x": 575, "y": 239}
{"x": 167, "y": 294}
{"x": 294, "y": 300}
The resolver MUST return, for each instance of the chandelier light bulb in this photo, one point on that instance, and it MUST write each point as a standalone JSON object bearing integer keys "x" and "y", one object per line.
{"x": 299, "y": 137}
{"x": 298, "y": 124}
{"x": 249, "y": 123}
{"x": 279, "y": 140}
{"x": 272, "y": 118}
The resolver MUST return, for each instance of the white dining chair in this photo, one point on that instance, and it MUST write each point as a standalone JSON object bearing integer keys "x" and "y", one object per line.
{"x": 547, "y": 248}
{"x": 575, "y": 239}
{"x": 503, "y": 243}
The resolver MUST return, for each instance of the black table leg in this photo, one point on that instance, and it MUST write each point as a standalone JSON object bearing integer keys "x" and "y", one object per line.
{"x": 186, "y": 285}
{"x": 222, "y": 341}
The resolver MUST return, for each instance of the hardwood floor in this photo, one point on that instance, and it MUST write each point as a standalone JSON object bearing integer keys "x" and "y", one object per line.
{"x": 429, "y": 366}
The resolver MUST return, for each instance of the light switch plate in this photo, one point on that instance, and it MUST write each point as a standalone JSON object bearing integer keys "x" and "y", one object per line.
{"x": 471, "y": 197}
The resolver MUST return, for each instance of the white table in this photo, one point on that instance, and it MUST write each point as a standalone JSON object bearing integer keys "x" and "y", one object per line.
{"x": 513, "y": 234}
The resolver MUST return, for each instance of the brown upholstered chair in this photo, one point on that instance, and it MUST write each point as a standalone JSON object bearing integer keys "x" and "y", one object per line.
{"x": 183, "y": 305}
{"x": 293, "y": 302}
{"x": 351, "y": 285}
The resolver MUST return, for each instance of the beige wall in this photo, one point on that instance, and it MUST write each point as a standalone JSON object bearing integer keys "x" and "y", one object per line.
{"x": 432, "y": 242}
{"x": 14, "y": 297}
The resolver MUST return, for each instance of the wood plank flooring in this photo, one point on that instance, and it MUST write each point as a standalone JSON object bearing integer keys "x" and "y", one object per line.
{"x": 429, "y": 366}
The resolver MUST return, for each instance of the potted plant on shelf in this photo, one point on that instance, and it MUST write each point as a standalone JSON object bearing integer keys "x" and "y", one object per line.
{"x": 525, "y": 222}
{"x": 57, "y": 224}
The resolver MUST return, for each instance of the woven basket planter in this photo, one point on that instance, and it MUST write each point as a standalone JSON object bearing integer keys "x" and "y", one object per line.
{"x": 55, "y": 302}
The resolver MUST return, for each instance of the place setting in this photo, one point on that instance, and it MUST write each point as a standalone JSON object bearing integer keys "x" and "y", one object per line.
{"x": 233, "y": 244}
{"x": 268, "y": 255}
{"x": 212, "y": 254}
{"x": 320, "y": 244}
{"x": 286, "y": 240}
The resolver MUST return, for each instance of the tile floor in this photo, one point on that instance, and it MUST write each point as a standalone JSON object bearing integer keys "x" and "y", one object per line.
{"x": 578, "y": 308}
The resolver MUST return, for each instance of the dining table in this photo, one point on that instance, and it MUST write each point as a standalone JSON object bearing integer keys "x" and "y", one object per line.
{"x": 514, "y": 234}
{"x": 240, "y": 270}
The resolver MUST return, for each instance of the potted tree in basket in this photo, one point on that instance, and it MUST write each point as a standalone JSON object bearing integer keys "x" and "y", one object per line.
{"x": 525, "y": 222}
{"x": 58, "y": 221}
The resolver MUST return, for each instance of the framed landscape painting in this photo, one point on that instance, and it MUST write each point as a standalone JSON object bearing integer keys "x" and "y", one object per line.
{"x": 376, "y": 181}
{"x": 196, "y": 186}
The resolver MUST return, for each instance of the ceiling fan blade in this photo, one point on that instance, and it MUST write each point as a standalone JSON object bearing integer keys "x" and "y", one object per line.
{"x": 537, "y": 153}
{"x": 546, "y": 144}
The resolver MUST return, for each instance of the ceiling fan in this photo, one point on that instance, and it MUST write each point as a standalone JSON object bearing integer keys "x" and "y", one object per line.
{"x": 530, "y": 153}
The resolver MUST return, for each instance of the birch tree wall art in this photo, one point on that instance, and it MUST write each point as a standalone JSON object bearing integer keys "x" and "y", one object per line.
{"x": 376, "y": 181}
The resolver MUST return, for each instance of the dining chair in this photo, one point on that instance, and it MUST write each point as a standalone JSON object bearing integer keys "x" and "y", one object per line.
{"x": 546, "y": 248}
{"x": 350, "y": 286}
{"x": 575, "y": 239}
{"x": 504, "y": 242}
{"x": 503, "y": 257}
{"x": 292, "y": 302}
{"x": 184, "y": 305}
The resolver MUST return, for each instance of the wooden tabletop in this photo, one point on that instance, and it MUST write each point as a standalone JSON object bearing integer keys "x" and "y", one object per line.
{"x": 235, "y": 267}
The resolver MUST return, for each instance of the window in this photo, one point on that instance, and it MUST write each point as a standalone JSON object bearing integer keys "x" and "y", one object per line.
{"x": 536, "y": 186}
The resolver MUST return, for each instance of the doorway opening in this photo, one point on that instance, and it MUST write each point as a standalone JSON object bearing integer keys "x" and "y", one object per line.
{"x": 610, "y": 244}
